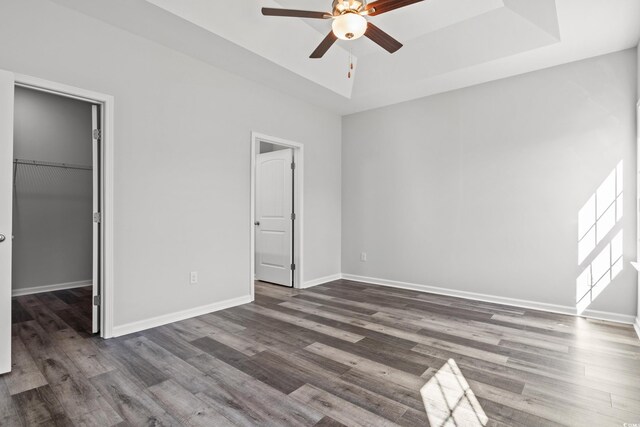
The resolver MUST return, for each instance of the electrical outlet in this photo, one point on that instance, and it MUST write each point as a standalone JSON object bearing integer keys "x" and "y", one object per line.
{"x": 193, "y": 278}
{"x": 363, "y": 257}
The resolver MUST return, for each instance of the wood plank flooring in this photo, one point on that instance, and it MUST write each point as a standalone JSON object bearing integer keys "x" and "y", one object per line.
{"x": 343, "y": 353}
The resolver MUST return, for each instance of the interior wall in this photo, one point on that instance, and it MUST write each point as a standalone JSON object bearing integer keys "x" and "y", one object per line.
{"x": 182, "y": 157}
{"x": 479, "y": 190}
{"x": 52, "y": 207}
{"x": 638, "y": 154}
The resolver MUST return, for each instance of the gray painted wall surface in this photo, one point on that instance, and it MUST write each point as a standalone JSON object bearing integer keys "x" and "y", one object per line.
{"x": 182, "y": 157}
{"x": 479, "y": 189}
{"x": 52, "y": 224}
{"x": 475, "y": 190}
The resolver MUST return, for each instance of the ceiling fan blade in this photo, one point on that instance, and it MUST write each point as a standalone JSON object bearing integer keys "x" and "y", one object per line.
{"x": 324, "y": 46}
{"x": 383, "y": 6}
{"x": 378, "y": 36}
{"x": 269, "y": 11}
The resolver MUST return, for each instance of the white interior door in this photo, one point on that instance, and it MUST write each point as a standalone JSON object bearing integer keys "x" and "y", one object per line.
{"x": 6, "y": 206}
{"x": 274, "y": 220}
{"x": 96, "y": 135}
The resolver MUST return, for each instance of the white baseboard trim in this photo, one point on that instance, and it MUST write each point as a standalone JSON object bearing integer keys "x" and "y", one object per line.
{"x": 532, "y": 305}
{"x": 321, "y": 280}
{"x": 636, "y": 326}
{"x": 50, "y": 288}
{"x": 606, "y": 315}
{"x": 141, "y": 325}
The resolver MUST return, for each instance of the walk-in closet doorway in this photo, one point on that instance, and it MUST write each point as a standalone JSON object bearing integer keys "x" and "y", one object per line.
{"x": 56, "y": 209}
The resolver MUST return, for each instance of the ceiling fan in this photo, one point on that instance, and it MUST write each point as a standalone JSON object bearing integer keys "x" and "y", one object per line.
{"x": 349, "y": 22}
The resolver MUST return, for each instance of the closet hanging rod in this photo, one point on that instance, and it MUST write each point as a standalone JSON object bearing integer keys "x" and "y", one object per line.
{"x": 51, "y": 164}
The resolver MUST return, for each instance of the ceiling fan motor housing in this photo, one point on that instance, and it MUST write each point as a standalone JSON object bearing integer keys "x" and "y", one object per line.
{"x": 340, "y": 7}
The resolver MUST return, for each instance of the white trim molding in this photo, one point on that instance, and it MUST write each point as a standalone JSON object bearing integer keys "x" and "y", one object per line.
{"x": 321, "y": 281}
{"x": 298, "y": 227}
{"x": 607, "y": 315}
{"x": 107, "y": 278}
{"x": 532, "y": 305}
{"x": 50, "y": 288}
{"x": 636, "y": 326}
{"x": 141, "y": 325}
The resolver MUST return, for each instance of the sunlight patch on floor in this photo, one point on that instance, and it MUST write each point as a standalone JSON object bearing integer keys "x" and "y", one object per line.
{"x": 449, "y": 401}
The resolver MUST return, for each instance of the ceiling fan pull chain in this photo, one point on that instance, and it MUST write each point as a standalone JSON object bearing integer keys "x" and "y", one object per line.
{"x": 350, "y": 65}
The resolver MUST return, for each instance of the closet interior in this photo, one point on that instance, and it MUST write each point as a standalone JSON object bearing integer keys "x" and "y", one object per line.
{"x": 54, "y": 259}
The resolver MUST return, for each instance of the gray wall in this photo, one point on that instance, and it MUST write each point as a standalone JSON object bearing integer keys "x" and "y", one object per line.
{"x": 479, "y": 189}
{"x": 182, "y": 157}
{"x": 52, "y": 208}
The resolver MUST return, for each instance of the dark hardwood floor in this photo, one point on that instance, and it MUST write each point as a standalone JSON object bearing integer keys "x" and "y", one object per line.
{"x": 71, "y": 307}
{"x": 340, "y": 353}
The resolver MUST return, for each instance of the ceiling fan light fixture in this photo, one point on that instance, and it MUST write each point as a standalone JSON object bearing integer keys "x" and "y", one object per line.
{"x": 349, "y": 26}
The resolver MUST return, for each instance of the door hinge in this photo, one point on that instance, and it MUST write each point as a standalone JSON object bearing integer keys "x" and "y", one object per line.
{"x": 293, "y": 217}
{"x": 97, "y": 217}
{"x": 293, "y": 165}
{"x": 96, "y": 300}
{"x": 97, "y": 134}
{"x": 293, "y": 266}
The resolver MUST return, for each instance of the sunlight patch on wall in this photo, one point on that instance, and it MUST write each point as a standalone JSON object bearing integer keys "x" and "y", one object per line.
{"x": 596, "y": 222}
{"x": 449, "y": 401}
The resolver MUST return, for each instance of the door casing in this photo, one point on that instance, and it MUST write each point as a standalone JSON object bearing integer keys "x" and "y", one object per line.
{"x": 106, "y": 103}
{"x": 298, "y": 225}
{"x": 96, "y": 278}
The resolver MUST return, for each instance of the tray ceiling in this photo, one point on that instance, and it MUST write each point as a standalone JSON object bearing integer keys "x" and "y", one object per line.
{"x": 448, "y": 44}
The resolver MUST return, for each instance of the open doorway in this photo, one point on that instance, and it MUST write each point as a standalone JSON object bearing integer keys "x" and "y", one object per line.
{"x": 56, "y": 210}
{"x": 102, "y": 141}
{"x": 276, "y": 211}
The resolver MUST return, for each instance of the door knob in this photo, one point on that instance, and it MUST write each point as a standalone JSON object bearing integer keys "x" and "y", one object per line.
{"x": 255, "y": 223}
{"x": 2, "y": 238}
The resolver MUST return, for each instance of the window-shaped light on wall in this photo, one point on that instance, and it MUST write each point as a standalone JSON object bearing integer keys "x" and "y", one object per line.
{"x": 600, "y": 214}
{"x": 598, "y": 234}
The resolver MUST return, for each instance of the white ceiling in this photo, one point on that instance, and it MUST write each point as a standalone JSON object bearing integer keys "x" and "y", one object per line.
{"x": 448, "y": 44}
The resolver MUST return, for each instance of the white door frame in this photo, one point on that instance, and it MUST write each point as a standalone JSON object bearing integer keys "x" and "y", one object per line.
{"x": 637, "y": 181}
{"x": 298, "y": 177}
{"x": 107, "y": 182}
